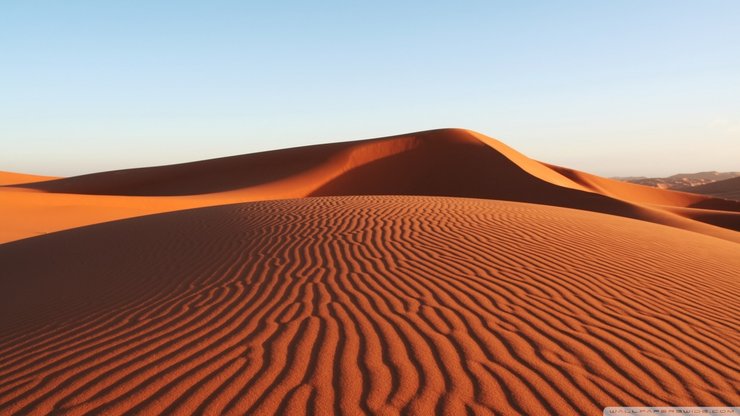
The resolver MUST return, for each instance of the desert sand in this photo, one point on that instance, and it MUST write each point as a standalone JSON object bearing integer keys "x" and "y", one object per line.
{"x": 438, "y": 272}
{"x": 14, "y": 178}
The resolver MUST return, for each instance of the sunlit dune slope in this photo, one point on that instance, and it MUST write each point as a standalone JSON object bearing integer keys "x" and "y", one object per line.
{"x": 25, "y": 213}
{"x": 375, "y": 304}
{"x": 446, "y": 162}
{"x": 13, "y": 178}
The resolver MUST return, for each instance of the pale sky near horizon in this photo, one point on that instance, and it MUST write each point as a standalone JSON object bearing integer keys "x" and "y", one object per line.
{"x": 631, "y": 87}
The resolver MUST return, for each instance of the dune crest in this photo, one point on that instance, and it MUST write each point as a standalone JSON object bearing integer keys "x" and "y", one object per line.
{"x": 445, "y": 162}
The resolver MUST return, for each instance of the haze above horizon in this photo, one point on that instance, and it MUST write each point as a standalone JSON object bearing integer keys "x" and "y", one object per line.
{"x": 627, "y": 88}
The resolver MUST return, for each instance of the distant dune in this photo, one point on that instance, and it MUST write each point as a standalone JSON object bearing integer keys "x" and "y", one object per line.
{"x": 432, "y": 273}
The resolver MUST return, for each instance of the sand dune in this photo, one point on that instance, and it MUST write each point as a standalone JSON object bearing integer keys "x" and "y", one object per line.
{"x": 12, "y": 178}
{"x": 439, "y": 272}
{"x": 644, "y": 194}
{"x": 374, "y": 304}
{"x": 446, "y": 162}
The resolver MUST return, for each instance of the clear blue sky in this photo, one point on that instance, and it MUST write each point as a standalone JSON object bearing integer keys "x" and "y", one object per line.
{"x": 620, "y": 87}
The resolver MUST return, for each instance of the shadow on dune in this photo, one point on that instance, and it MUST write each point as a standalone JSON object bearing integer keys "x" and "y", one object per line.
{"x": 718, "y": 204}
{"x": 465, "y": 170}
{"x": 444, "y": 162}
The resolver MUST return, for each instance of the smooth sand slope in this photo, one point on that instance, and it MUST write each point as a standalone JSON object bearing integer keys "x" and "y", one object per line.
{"x": 368, "y": 305}
{"x": 447, "y": 162}
{"x": 13, "y": 178}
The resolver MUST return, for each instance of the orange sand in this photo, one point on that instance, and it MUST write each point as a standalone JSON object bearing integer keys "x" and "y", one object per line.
{"x": 12, "y": 178}
{"x": 447, "y": 162}
{"x": 441, "y": 297}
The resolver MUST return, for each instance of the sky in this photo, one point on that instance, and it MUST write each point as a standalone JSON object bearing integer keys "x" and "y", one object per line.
{"x": 616, "y": 88}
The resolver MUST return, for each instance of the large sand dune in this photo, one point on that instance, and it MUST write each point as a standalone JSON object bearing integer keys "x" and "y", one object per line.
{"x": 369, "y": 304}
{"x": 447, "y": 162}
{"x": 438, "y": 272}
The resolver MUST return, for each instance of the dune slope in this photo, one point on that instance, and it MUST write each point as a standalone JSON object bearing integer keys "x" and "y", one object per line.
{"x": 446, "y": 162}
{"x": 13, "y": 178}
{"x": 374, "y": 304}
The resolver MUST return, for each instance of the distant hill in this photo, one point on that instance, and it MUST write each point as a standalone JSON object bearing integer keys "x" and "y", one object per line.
{"x": 727, "y": 189}
{"x": 682, "y": 181}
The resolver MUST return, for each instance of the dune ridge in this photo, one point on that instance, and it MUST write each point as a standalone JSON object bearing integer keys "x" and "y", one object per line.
{"x": 368, "y": 304}
{"x": 445, "y": 162}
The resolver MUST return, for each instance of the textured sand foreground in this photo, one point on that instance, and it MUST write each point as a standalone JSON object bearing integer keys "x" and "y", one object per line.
{"x": 368, "y": 305}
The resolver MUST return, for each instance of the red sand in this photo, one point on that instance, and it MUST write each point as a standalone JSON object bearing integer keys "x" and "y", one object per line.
{"x": 457, "y": 302}
{"x": 447, "y": 162}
